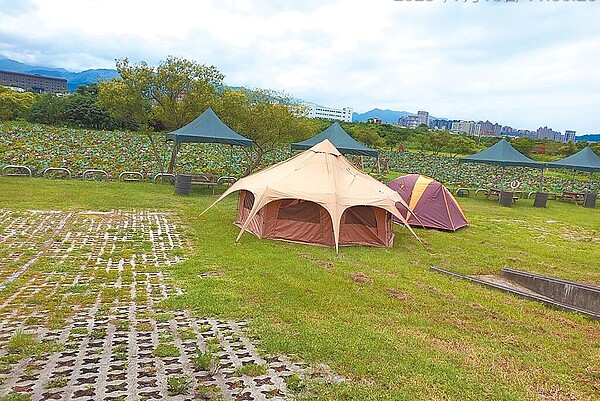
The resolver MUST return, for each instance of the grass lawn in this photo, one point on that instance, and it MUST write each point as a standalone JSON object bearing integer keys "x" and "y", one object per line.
{"x": 379, "y": 317}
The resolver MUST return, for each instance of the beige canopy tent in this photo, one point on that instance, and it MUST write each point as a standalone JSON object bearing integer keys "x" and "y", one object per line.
{"x": 317, "y": 197}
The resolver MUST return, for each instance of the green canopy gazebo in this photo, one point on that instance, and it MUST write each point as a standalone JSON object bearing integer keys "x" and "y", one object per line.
{"x": 207, "y": 128}
{"x": 340, "y": 139}
{"x": 584, "y": 160}
{"x": 504, "y": 154}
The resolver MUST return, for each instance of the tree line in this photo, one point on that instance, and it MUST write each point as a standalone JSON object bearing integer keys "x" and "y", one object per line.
{"x": 166, "y": 97}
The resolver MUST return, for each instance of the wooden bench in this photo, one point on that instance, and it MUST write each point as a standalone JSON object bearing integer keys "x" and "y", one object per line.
{"x": 495, "y": 193}
{"x": 571, "y": 196}
{"x": 212, "y": 181}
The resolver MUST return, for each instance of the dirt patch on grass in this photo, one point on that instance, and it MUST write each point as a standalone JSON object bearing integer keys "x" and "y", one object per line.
{"x": 434, "y": 290}
{"x": 397, "y": 294}
{"x": 211, "y": 274}
{"x": 360, "y": 277}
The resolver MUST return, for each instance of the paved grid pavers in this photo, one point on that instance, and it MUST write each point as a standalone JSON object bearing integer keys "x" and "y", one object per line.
{"x": 86, "y": 286}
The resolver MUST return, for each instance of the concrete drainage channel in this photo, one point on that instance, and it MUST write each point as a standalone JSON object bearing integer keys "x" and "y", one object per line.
{"x": 556, "y": 293}
{"x": 79, "y": 321}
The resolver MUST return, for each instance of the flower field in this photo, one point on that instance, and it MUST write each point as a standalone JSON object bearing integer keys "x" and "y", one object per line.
{"x": 40, "y": 146}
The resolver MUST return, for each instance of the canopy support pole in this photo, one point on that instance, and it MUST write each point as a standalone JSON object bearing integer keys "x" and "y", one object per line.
{"x": 542, "y": 179}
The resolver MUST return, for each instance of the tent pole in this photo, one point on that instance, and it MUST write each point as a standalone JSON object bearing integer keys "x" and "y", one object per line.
{"x": 541, "y": 180}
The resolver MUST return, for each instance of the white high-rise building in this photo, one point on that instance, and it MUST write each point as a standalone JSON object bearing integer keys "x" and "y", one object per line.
{"x": 569, "y": 136}
{"x": 467, "y": 127}
{"x": 329, "y": 113}
{"x": 423, "y": 117}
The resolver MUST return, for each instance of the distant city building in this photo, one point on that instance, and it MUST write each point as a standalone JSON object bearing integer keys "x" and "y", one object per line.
{"x": 328, "y": 113}
{"x": 487, "y": 128}
{"x": 374, "y": 120}
{"x": 549, "y": 133}
{"x": 467, "y": 127}
{"x": 569, "y": 136}
{"x": 423, "y": 117}
{"x": 410, "y": 121}
{"x": 33, "y": 82}
{"x": 441, "y": 124}
{"x": 507, "y": 130}
{"x": 483, "y": 128}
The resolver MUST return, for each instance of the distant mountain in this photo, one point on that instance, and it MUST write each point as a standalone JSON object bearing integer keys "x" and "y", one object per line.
{"x": 588, "y": 137}
{"x": 386, "y": 116}
{"x": 74, "y": 79}
{"x": 12, "y": 65}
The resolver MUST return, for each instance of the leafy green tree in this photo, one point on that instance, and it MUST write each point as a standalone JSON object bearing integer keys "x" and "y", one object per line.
{"x": 568, "y": 149}
{"x": 368, "y": 135}
{"x": 461, "y": 145}
{"x": 271, "y": 119}
{"x": 14, "y": 105}
{"x": 124, "y": 103}
{"x": 48, "y": 109}
{"x": 171, "y": 94}
{"x": 524, "y": 145}
{"x": 393, "y": 136}
{"x": 437, "y": 141}
{"x": 84, "y": 111}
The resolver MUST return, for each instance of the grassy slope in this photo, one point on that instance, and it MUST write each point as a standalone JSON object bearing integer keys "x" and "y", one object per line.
{"x": 402, "y": 331}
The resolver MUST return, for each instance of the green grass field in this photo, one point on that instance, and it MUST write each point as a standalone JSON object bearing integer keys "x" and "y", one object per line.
{"x": 393, "y": 329}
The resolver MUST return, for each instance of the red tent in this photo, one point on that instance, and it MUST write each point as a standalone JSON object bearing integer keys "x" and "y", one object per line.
{"x": 433, "y": 205}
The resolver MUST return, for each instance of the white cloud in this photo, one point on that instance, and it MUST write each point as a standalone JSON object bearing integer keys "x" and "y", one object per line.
{"x": 526, "y": 64}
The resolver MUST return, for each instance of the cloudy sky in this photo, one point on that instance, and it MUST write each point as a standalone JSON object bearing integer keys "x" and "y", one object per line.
{"x": 520, "y": 63}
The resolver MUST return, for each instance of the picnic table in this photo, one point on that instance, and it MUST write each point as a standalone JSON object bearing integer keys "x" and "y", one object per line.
{"x": 211, "y": 180}
{"x": 572, "y": 196}
{"x": 495, "y": 193}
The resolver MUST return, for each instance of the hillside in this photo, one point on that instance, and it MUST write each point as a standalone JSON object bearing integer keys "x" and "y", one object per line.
{"x": 387, "y": 116}
{"x": 74, "y": 79}
{"x": 589, "y": 138}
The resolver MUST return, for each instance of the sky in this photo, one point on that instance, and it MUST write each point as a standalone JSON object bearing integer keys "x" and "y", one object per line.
{"x": 520, "y": 63}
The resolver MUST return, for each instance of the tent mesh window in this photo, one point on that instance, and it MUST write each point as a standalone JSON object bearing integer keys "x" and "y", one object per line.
{"x": 363, "y": 215}
{"x": 248, "y": 200}
{"x": 299, "y": 210}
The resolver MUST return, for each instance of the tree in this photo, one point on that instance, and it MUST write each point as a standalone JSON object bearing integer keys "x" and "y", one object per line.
{"x": 124, "y": 103}
{"x": 367, "y": 134}
{"x": 524, "y": 144}
{"x": 172, "y": 94}
{"x": 393, "y": 136}
{"x": 48, "y": 109}
{"x": 437, "y": 141}
{"x": 14, "y": 105}
{"x": 271, "y": 119}
{"x": 461, "y": 145}
{"x": 84, "y": 110}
